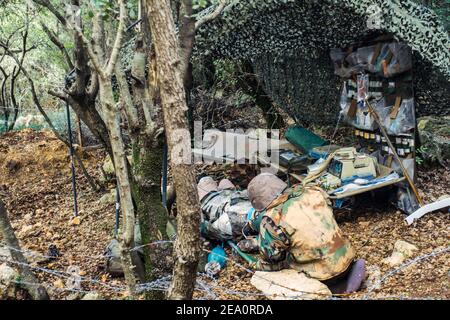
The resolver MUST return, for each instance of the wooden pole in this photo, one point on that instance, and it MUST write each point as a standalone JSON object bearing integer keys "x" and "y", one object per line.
{"x": 394, "y": 152}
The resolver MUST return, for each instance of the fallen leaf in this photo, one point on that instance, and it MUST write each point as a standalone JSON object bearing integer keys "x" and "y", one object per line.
{"x": 75, "y": 221}
{"x": 59, "y": 284}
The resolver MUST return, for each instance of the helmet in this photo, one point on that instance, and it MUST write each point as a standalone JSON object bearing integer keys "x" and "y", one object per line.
{"x": 225, "y": 184}
{"x": 263, "y": 189}
{"x": 205, "y": 186}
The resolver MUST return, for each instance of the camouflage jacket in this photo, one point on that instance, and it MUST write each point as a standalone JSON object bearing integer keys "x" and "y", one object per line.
{"x": 298, "y": 230}
{"x": 224, "y": 214}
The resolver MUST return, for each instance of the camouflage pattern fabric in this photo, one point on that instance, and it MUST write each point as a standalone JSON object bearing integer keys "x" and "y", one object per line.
{"x": 298, "y": 230}
{"x": 289, "y": 50}
{"x": 224, "y": 214}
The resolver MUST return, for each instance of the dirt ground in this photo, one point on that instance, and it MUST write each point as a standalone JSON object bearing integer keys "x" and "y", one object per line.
{"x": 35, "y": 184}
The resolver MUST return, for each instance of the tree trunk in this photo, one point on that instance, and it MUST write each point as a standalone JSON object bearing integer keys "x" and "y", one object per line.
{"x": 170, "y": 79}
{"x": 31, "y": 283}
{"x": 112, "y": 120}
{"x": 151, "y": 213}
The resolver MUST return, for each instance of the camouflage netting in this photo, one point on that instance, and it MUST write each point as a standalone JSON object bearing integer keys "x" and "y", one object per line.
{"x": 288, "y": 42}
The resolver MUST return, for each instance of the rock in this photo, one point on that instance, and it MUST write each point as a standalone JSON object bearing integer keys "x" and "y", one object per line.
{"x": 289, "y": 284}
{"x": 25, "y": 231}
{"x": 34, "y": 257}
{"x": 73, "y": 296}
{"x": 402, "y": 251}
{"x": 8, "y": 277}
{"x": 434, "y": 133}
{"x": 109, "y": 198}
{"x": 405, "y": 248}
{"x": 113, "y": 262}
{"x": 92, "y": 296}
{"x": 4, "y": 253}
{"x": 108, "y": 166}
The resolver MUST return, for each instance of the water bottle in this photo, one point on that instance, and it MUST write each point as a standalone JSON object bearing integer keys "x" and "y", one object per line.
{"x": 217, "y": 260}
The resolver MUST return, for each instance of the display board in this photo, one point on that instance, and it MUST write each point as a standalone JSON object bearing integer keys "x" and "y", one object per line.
{"x": 382, "y": 72}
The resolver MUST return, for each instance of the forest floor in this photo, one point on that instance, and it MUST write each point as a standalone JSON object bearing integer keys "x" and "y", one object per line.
{"x": 35, "y": 184}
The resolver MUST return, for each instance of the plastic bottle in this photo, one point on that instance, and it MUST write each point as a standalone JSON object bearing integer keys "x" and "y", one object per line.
{"x": 217, "y": 260}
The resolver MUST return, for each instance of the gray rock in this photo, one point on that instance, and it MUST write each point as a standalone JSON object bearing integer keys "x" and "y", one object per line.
{"x": 109, "y": 198}
{"x": 289, "y": 284}
{"x": 92, "y": 296}
{"x": 108, "y": 166}
{"x": 4, "y": 253}
{"x": 402, "y": 251}
{"x": 30, "y": 255}
{"x": 8, "y": 277}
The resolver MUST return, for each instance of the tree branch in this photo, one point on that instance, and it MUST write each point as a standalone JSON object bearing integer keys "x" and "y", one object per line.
{"x": 212, "y": 15}
{"x": 52, "y": 9}
{"x": 92, "y": 56}
{"x": 118, "y": 41}
{"x": 53, "y": 38}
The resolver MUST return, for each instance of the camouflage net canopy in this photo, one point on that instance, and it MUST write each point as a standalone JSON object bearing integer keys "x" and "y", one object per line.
{"x": 288, "y": 42}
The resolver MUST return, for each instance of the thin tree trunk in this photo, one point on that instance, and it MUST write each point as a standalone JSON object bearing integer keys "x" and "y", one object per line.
{"x": 152, "y": 215}
{"x": 111, "y": 115}
{"x": 170, "y": 78}
{"x": 79, "y": 132}
{"x": 31, "y": 283}
{"x": 145, "y": 122}
{"x": 14, "y": 104}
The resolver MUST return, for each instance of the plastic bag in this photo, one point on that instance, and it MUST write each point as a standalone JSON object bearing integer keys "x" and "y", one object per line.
{"x": 345, "y": 63}
{"x": 363, "y": 88}
{"x": 383, "y": 110}
{"x": 365, "y": 56}
{"x": 337, "y": 56}
{"x": 345, "y": 102}
{"x": 376, "y": 65}
{"x": 405, "y": 120}
{"x": 401, "y": 60}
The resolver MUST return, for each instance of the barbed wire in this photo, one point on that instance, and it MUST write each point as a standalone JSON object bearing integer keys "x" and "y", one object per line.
{"x": 42, "y": 256}
{"x": 391, "y": 272}
{"x": 209, "y": 289}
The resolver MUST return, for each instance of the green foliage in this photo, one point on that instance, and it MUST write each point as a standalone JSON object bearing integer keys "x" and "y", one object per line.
{"x": 421, "y": 154}
{"x": 199, "y": 4}
{"x": 226, "y": 72}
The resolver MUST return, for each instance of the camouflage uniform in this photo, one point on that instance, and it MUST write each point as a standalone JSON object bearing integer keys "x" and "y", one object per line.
{"x": 298, "y": 230}
{"x": 224, "y": 209}
{"x": 224, "y": 214}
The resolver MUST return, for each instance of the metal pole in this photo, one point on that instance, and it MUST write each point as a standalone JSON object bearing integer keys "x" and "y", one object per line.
{"x": 116, "y": 230}
{"x": 74, "y": 183}
{"x": 164, "y": 177}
